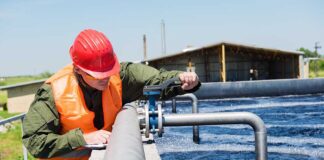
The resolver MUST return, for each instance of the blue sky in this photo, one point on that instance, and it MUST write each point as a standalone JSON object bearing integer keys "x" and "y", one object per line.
{"x": 35, "y": 35}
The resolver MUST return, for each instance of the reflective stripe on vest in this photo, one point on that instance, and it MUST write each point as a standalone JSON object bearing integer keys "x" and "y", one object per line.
{"x": 70, "y": 103}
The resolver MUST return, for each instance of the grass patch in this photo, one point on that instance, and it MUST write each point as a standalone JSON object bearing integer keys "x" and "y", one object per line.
{"x": 11, "y": 144}
{"x": 313, "y": 75}
{"x": 316, "y": 65}
{"x": 5, "y": 114}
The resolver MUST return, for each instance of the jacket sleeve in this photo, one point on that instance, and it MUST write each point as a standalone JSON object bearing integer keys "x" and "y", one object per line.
{"x": 41, "y": 128}
{"x": 136, "y": 76}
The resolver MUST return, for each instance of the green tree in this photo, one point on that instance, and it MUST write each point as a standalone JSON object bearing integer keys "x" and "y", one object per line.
{"x": 308, "y": 53}
{"x": 45, "y": 74}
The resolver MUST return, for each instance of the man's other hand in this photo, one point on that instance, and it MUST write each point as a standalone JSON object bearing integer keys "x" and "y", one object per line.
{"x": 97, "y": 137}
{"x": 189, "y": 80}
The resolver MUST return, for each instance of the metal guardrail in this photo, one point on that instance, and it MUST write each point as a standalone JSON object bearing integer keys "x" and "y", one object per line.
{"x": 16, "y": 118}
{"x": 260, "y": 131}
{"x": 194, "y": 100}
{"x": 11, "y": 119}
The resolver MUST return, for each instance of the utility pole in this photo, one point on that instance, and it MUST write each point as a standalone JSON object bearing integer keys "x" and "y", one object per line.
{"x": 163, "y": 41}
{"x": 144, "y": 43}
{"x": 317, "y": 47}
{"x": 318, "y": 55}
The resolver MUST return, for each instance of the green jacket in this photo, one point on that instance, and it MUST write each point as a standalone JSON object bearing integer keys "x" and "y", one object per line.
{"x": 41, "y": 125}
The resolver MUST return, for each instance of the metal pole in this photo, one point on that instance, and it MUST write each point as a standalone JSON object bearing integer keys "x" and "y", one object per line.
{"x": 125, "y": 141}
{"x": 163, "y": 37}
{"x": 163, "y": 103}
{"x": 194, "y": 100}
{"x": 174, "y": 105}
{"x": 251, "y": 119}
{"x": 25, "y": 153}
{"x": 144, "y": 43}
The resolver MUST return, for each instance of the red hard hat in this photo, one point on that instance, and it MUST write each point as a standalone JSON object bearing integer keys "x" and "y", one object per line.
{"x": 93, "y": 53}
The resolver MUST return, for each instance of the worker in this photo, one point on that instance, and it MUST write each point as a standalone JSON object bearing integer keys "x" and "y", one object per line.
{"x": 254, "y": 75}
{"x": 78, "y": 104}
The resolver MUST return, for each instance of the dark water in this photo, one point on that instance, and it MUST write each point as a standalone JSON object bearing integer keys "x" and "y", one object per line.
{"x": 295, "y": 126}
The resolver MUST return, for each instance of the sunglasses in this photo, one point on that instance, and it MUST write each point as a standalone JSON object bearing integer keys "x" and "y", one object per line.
{"x": 88, "y": 76}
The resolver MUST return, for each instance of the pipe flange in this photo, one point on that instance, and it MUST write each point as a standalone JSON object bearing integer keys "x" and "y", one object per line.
{"x": 147, "y": 121}
{"x": 160, "y": 117}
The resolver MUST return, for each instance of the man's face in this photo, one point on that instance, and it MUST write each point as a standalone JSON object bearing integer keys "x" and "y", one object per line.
{"x": 99, "y": 84}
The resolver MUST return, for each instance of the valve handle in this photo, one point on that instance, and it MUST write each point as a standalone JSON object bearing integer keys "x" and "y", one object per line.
{"x": 173, "y": 82}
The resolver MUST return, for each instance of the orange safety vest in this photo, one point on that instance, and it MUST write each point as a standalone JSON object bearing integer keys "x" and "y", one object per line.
{"x": 74, "y": 113}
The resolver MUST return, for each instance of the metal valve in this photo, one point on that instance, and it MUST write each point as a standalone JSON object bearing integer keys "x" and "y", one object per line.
{"x": 151, "y": 120}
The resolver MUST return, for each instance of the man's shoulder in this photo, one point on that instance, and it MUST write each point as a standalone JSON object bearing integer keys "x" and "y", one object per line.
{"x": 44, "y": 90}
{"x": 126, "y": 67}
{"x": 44, "y": 93}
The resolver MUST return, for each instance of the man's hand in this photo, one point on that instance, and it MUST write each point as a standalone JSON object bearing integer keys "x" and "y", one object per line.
{"x": 97, "y": 137}
{"x": 188, "y": 80}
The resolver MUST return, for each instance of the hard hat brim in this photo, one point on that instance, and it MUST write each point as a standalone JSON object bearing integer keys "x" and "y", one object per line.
{"x": 102, "y": 75}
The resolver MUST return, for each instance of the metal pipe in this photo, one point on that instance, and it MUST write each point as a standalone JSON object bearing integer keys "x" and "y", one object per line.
{"x": 260, "y": 88}
{"x": 251, "y": 119}
{"x": 125, "y": 141}
{"x": 163, "y": 103}
{"x": 194, "y": 100}
{"x": 25, "y": 153}
{"x": 174, "y": 105}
